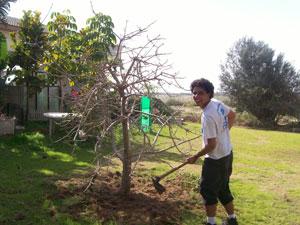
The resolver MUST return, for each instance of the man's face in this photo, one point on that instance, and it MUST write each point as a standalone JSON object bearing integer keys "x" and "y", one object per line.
{"x": 201, "y": 97}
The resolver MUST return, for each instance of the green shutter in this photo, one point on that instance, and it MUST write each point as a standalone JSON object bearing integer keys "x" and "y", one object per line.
{"x": 3, "y": 47}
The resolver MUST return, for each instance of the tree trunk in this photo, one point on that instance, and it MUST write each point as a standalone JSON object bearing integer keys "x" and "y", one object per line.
{"x": 126, "y": 179}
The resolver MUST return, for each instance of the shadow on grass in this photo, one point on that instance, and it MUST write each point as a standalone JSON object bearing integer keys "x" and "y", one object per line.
{"x": 30, "y": 166}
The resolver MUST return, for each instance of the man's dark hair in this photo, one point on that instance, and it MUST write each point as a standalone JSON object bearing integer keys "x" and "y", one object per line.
{"x": 205, "y": 85}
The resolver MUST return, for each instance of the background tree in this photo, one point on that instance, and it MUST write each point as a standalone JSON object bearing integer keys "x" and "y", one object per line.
{"x": 96, "y": 42}
{"x": 30, "y": 47}
{"x": 72, "y": 55}
{"x": 4, "y": 8}
{"x": 61, "y": 57}
{"x": 259, "y": 82}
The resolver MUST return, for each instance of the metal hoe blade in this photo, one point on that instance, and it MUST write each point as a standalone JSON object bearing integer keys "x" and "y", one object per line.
{"x": 158, "y": 187}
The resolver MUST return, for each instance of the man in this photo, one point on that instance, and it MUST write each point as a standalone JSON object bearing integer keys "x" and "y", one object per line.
{"x": 217, "y": 119}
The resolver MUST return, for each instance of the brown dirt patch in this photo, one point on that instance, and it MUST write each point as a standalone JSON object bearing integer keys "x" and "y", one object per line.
{"x": 143, "y": 205}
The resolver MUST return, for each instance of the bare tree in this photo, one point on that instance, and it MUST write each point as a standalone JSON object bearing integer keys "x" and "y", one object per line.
{"x": 111, "y": 101}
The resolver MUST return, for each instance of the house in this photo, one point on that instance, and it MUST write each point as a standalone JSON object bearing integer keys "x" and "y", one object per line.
{"x": 11, "y": 25}
{"x": 6, "y": 45}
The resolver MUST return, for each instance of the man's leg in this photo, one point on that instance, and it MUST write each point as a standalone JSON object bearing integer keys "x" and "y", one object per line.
{"x": 211, "y": 210}
{"x": 229, "y": 207}
{"x": 209, "y": 188}
{"x": 225, "y": 195}
{"x": 231, "y": 220}
{"x": 211, "y": 213}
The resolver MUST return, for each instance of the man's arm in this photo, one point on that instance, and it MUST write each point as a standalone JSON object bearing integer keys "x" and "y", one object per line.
{"x": 231, "y": 118}
{"x": 211, "y": 144}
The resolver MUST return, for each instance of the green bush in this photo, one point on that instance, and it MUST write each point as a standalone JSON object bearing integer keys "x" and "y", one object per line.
{"x": 163, "y": 108}
{"x": 247, "y": 119}
{"x": 174, "y": 102}
{"x": 190, "y": 103}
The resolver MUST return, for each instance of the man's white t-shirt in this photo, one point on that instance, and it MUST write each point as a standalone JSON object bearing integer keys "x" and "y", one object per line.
{"x": 215, "y": 125}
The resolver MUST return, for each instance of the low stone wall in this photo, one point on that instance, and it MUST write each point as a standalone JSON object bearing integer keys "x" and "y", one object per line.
{"x": 7, "y": 126}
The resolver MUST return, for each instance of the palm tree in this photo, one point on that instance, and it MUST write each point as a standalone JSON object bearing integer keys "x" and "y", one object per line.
{"x": 4, "y": 8}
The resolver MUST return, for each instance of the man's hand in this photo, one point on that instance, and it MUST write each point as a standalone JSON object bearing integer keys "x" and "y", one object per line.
{"x": 231, "y": 118}
{"x": 192, "y": 159}
{"x": 211, "y": 144}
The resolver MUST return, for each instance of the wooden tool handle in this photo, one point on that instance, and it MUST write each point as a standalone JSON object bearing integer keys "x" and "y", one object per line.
{"x": 172, "y": 170}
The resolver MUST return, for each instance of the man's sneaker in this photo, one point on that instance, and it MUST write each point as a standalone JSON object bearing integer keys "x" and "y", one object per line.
{"x": 231, "y": 221}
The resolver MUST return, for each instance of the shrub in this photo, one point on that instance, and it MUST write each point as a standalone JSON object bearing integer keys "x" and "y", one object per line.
{"x": 192, "y": 117}
{"x": 174, "y": 102}
{"x": 247, "y": 119}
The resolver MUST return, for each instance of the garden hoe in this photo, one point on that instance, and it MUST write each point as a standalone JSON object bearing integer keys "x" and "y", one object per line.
{"x": 158, "y": 187}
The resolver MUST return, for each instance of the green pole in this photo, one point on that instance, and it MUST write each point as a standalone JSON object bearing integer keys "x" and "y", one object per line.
{"x": 146, "y": 110}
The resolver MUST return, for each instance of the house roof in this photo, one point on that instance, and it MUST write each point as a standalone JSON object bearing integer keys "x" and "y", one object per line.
{"x": 15, "y": 22}
{"x": 12, "y": 21}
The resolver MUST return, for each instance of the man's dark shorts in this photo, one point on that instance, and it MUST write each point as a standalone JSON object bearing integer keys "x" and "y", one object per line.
{"x": 214, "y": 183}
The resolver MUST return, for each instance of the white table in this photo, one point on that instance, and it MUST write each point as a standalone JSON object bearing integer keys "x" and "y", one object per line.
{"x": 54, "y": 116}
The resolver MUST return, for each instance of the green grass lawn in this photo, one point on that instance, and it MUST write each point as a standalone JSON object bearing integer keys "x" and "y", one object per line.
{"x": 30, "y": 164}
{"x": 265, "y": 181}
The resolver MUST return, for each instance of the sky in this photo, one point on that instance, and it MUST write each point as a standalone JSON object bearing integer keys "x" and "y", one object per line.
{"x": 198, "y": 33}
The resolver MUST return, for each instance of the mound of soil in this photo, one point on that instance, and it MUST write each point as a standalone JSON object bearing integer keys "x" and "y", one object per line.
{"x": 142, "y": 206}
